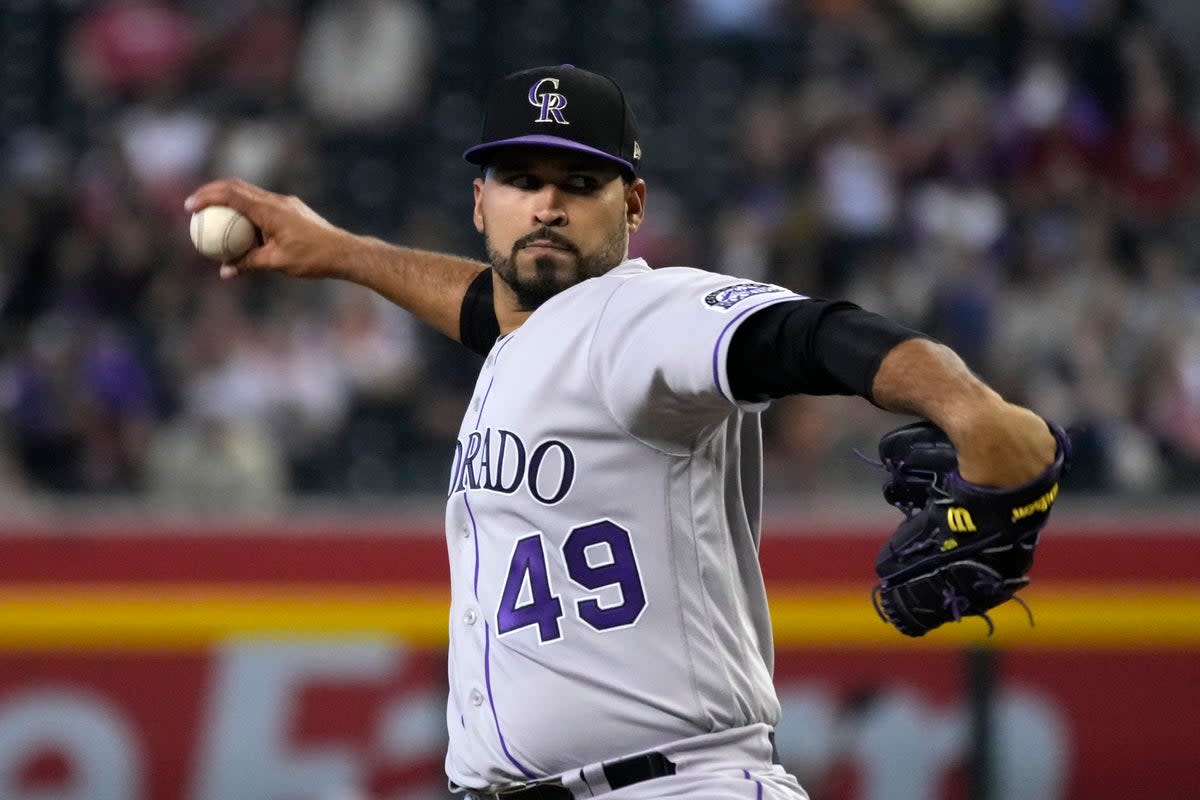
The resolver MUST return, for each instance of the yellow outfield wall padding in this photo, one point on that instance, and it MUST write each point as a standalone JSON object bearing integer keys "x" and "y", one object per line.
{"x": 194, "y": 616}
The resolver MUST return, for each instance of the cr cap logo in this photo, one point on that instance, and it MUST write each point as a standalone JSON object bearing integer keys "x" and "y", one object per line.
{"x": 550, "y": 105}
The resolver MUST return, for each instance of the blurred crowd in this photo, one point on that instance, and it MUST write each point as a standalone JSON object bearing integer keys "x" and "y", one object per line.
{"x": 1016, "y": 177}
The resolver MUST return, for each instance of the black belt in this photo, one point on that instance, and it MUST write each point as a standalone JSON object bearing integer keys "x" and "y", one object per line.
{"x": 619, "y": 774}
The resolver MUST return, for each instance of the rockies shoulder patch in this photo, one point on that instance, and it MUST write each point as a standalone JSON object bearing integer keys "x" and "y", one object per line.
{"x": 729, "y": 296}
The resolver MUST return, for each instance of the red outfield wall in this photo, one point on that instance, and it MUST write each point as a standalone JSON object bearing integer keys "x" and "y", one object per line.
{"x": 283, "y": 664}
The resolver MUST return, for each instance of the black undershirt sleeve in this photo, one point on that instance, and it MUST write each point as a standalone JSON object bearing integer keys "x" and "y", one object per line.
{"x": 478, "y": 327}
{"x": 810, "y": 347}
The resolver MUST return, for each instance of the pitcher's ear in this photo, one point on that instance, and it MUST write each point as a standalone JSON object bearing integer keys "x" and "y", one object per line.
{"x": 635, "y": 203}
{"x": 477, "y": 215}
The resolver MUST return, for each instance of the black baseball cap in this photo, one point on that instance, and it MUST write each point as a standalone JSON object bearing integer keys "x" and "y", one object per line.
{"x": 561, "y": 107}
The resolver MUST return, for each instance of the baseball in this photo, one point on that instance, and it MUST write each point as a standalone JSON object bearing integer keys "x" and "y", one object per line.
{"x": 222, "y": 234}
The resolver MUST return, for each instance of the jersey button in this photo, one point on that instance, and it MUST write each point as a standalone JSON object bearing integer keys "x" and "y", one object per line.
{"x": 470, "y": 616}
{"x": 466, "y": 531}
{"x": 476, "y": 697}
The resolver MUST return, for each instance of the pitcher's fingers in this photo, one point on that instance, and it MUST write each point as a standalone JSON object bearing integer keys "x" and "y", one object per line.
{"x": 256, "y": 259}
{"x": 228, "y": 271}
{"x": 245, "y": 198}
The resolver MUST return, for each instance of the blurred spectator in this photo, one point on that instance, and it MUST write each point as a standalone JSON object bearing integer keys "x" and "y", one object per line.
{"x": 951, "y": 15}
{"x": 966, "y": 215}
{"x": 1170, "y": 396}
{"x": 208, "y": 462}
{"x": 1070, "y": 18}
{"x": 14, "y": 493}
{"x": 1154, "y": 161}
{"x": 972, "y": 34}
{"x": 218, "y": 366}
{"x": 726, "y": 17}
{"x": 366, "y": 63}
{"x": 1163, "y": 299}
{"x": 255, "y": 42}
{"x": 963, "y": 309}
{"x": 165, "y": 141}
{"x": 126, "y": 47}
{"x": 37, "y": 161}
{"x": 104, "y": 183}
{"x": 669, "y": 235}
{"x": 119, "y": 413}
{"x": 747, "y": 225}
{"x": 307, "y": 394}
{"x": 809, "y": 444}
{"x": 1059, "y": 132}
{"x": 363, "y": 74}
{"x": 123, "y": 264}
{"x": 374, "y": 343}
{"x": 858, "y": 193}
{"x": 967, "y": 144}
{"x": 24, "y": 253}
{"x": 252, "y": 149}
{"x": 45, "y": 407}
{"x": 1179, "y": 20}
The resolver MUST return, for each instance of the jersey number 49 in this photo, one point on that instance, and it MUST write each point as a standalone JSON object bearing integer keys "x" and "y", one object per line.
{"x": 597, "y": 555}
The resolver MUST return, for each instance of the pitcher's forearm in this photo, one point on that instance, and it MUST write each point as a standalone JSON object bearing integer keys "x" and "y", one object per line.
{"x": 429, "y": 285}
{"x": 998, "y": 443}
{"x": 927, "y": 379}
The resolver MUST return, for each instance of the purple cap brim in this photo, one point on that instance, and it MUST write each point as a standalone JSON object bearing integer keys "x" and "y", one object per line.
{"x": 475, "y": 154}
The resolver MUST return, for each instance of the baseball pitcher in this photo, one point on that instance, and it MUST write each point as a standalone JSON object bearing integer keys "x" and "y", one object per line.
{"x": 609, "y": 632}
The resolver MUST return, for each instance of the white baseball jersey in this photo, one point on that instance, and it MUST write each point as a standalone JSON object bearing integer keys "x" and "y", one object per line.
{"x": 603, "y": 526}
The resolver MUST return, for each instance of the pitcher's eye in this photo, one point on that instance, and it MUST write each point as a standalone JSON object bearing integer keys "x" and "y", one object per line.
{"x": 581, "y": 183}
{"x": 523, "y": 181}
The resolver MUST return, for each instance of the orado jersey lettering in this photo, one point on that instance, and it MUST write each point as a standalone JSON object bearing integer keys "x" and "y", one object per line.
{"x": 498, "y": 460}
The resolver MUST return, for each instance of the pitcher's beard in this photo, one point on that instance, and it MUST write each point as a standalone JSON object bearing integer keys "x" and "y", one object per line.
{"x": 532, "y": 290}
{"x": 548, "y": 279}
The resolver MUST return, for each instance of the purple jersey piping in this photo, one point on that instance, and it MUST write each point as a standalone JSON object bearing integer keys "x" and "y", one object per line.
{"x": 475, "y": 536}
{"x": 757, "y": 782}
{"x": 487, "y": 631}
{"x": 487, "y": 392}
{"x": 487, "y": 678}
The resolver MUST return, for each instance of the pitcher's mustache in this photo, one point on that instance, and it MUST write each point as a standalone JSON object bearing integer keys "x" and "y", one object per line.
{"x": 546, "y": 235}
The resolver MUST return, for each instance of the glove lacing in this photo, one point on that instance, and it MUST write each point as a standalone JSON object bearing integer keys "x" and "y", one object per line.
{"x": 895, "y": 466}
